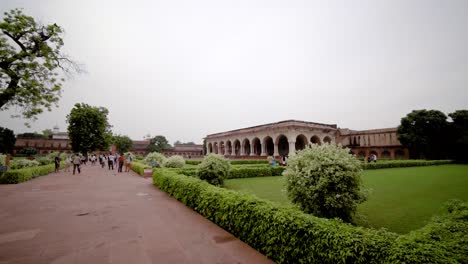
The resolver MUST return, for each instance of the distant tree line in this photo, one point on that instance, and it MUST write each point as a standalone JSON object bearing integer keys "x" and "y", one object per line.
{"x": 430, "y": 134}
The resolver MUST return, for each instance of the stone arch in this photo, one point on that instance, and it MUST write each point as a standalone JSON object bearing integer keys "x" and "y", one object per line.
{"x": 315, "y": 140}
{"x": 301, "y": 142}
{"x": 399, "y": 154}
{"x": 385, "y": 154}
{"x": 215, "y": 147}
{"x": 210, "y": 148}
{"x": 236, "y": 147}
{"x": 246, "y": 146}
{"x": 269, "y": 145}
{"x": 283, "y": 145}
{"x": 222, "y": 149}
{"x": 229, "y": 147}
{"x": 361, "y": 154}
{"x": 327, "y": 139}
{"x": 256, "y": 146}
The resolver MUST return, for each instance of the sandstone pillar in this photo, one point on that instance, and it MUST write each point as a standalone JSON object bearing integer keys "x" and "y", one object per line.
{"x": 275, "y": 150}
{"x": 292, "y": 147}
{"x": 264, "y": 150}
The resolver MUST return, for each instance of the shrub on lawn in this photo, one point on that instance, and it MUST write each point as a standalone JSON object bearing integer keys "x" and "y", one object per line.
{"x": 44, "y": 160}
{"x": 154, "y": 159}
{"x": 214, "y": 169}
{"x": 174, "y": 162}
{"x": 325, "y": 180}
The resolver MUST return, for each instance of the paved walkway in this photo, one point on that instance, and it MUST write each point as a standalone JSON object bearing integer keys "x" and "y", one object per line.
{"x": 101, "y": 216}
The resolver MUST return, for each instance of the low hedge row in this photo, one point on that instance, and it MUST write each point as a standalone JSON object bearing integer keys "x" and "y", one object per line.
{"x": 239, "y": 171}
{"x": 25, "y": 174}
{"x": 249, "y": 172}
{"x": 287, "y": 235}
{"x": 138, "y": 167}
{"x": 233, "y": 162}
{"x": 403, "y": 163}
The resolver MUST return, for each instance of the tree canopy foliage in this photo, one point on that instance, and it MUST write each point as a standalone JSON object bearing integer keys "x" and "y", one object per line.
{"x": 428, "y": 134}
{"x": 158, "y": 143}
{"x": 31, "y": 64}
{"x": 122, "y": 143}
{"x": 7, "y": 140}
{"x": 88, "y": 128}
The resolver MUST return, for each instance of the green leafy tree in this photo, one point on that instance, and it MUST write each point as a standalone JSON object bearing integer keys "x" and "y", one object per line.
{"x": 423, "y": 133}
{"x": 88, "y": 128}
{"x": 28, "y": 151}
{"x": 31, "y": 62}
{"x": 158, "y": 143}
{"x": 325, "y": 180}
{"x": 122, "y": 143}
{"x": 459, "y": 128}
{"x": 7, "y": 140}
{"x": 47, "y": 133}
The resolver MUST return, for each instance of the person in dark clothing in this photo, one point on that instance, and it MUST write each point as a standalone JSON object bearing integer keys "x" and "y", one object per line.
{"x": 57, "y": 163}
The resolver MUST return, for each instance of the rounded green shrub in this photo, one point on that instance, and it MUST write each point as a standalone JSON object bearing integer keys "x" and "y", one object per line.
{"x": 174, "y": 162}
{"x": 154, "y": 159}
{"x": 325, "y": 180}
{"x": 214, "y": 169}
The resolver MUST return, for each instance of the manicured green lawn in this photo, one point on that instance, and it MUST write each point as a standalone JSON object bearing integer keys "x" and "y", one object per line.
{"x": 401, "y": 199}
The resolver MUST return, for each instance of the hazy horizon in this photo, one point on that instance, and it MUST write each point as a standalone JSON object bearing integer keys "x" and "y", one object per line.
{"x": 187, "y": 69}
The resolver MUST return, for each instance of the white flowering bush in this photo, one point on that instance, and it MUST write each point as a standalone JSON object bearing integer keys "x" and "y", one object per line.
{"x": 129, "y": 155}
{"x": 174, "y": 162}
{"x": 324, "y": 180}
{"x": 44, "y": 160}
{"x": 23, "y": 163}
{"x": 214, "y": 169}
{"x": 154, "y": 159}
{"x": 2, "y": 159}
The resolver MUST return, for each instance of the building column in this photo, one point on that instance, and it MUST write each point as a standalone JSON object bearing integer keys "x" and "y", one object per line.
{"x": 241, "y": 149}
{"x": 264, "y": 152}
{"x": 252, "y": 150}
{"x": 275, "y": 150}
{"x": 292, "y": 147}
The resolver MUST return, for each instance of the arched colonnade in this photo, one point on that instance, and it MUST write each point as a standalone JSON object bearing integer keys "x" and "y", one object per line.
{"x": 267, "y": 145}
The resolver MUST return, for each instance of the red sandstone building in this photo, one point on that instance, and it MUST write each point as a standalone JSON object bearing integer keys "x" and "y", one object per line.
{"x": 278, "y": 139}
{"x": 191, "y": 151}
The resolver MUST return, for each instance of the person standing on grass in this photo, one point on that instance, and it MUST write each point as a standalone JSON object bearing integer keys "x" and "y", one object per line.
{"x": 76, "y": 163}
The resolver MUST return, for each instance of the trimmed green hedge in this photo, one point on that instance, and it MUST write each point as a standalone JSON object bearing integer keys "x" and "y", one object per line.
{"x": 239, "y": 171}
{"x": 138, "y": 167}
{"x": 233, "y": 162}
{"x": 249, "y": 171}
{"x": 25, "y": 174}
{"x": 287, "y": 235}
{"x": 403, "y": 163}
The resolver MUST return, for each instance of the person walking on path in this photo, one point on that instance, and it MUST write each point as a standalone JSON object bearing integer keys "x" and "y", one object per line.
{"x": 68, "y": 163}
{"x": 121, "y": 162}
{"x": 57, "y": 163}
{"x": 128, "y": 163}
{"x": 76, "y": 163}
{"x": 110, "y": 161}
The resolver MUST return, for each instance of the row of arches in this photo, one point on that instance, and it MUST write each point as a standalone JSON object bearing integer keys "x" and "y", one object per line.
{"x": 279, "y": 146}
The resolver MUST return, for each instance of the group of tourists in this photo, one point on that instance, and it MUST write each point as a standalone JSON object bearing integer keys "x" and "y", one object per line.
{"x": 118, "y": 160}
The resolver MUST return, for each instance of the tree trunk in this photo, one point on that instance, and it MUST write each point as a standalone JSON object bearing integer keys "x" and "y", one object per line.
{"x": 9, "y": 92}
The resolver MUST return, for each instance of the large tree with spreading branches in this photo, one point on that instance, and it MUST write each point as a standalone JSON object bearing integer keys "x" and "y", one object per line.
{"x": 32, "y": 64}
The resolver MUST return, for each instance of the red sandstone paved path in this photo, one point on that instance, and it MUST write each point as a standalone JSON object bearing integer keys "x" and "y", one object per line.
{"x": 101, "y": 216}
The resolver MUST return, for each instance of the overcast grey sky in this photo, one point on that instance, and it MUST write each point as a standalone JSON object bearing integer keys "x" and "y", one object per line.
{"x": 185, "y": 69}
